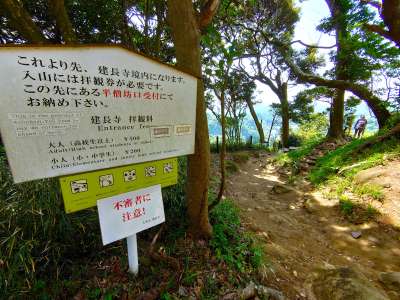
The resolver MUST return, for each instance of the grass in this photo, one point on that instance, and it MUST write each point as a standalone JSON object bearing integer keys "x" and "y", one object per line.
{"x": 370, "y": 190}
{"x": 344, "y": 159}
{"x": 292, "y": 157}
{"x": 231, "y": 245}
{"x": 346, "y": 205}
{"x": 240, "y": 157}
{"x": 328, "y": 166}
{"x": 231, "y": 166}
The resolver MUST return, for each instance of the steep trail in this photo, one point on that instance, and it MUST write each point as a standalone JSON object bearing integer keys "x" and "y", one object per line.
{"x": 299, "y": 238}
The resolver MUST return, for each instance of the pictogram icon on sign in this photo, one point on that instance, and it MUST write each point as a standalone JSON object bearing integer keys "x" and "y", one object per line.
{"x": 168, "y": 168}
{"x": 79, "y": 186}
{"x": 130, "y": 175}
{"x": 106, "y": 180}
{"x": 150, "y": 171}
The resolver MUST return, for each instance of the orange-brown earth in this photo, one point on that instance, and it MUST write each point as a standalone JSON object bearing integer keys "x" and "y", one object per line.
{"x": 302, "y": 231}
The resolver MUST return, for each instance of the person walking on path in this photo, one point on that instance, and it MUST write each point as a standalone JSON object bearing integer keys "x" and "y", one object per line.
{"x": 359, "y": 127}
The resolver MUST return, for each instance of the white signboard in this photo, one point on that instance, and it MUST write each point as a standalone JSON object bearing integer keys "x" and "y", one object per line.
{"x": 127, "y": 214}
{"x": 67, "y": 110}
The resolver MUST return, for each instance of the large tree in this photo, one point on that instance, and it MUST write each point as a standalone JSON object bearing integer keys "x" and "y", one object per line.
{"x": 186, "y": 25}
{"x": 259, "y": 20}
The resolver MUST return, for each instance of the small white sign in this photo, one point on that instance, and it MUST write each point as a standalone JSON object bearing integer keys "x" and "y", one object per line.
{"x": 126, "y": 214}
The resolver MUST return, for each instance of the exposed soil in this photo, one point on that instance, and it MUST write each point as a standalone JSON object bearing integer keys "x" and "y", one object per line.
{"x": 302, "y": 230}
{"x": 387, "y": 177}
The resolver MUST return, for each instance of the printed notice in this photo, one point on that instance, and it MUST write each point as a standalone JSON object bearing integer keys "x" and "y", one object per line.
{"x": 67, "y": 110}
{"x": 126, "y": 214}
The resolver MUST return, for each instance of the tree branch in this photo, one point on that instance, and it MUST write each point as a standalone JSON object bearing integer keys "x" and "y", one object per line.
{"x": 21, "y": 20}
{"x": 60, "y": 15}
{"x": 207, "y": 13}
{"x": 312, "y": 46}
{"x": 374, "y": 102}
{"x": 376, "y": 4}
{"x": 378, "y": 29}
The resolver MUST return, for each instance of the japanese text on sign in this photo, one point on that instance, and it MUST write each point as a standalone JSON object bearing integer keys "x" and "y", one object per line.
{"x": 126, "y": 214}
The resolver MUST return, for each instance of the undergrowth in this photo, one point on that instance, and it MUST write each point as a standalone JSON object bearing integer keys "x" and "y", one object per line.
{"x": 230, "y": 243}
{"x": 328, "y": 166}
{"x": 336, "y": 171}
{"x": 292, "y": 157}
{"x": 48, "y": 254}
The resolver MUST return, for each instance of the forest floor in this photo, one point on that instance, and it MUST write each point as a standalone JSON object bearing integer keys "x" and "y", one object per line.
{"x": 303, "y": 231}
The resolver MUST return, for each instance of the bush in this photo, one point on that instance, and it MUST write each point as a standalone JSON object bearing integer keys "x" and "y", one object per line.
{"x": 313, "y": 128}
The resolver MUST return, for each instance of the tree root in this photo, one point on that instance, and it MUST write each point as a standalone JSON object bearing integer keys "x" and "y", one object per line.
{"x": 161, "y": 256}
{"x": 395, "y": 131}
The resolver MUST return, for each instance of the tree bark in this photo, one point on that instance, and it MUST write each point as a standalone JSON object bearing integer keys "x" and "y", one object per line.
{"x": 186, "y": 36}
{"x": 222, "y": 153}
{"x": 270, "y": 129}
{"x": 63, "y": 23}
{"x": 337, "y": 109}
{"x": 256, "y": 121}
{"x": 22, "y": 21}
{"x": 283, "y": 97}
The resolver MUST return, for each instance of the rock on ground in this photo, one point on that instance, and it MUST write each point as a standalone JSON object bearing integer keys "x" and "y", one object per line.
{"x": 391, "y": 280}
{"x": 341, "y": 283}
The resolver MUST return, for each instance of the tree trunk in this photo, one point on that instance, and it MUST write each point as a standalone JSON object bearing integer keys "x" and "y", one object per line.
{"x": 256, "y": 121}
{"x": 337, "y": 109}
{"x": 283, "y": 97}
{"x": 222, "y": 153}
{"x": 336, "y": 119}
{"x": 186, "y": 36}
{"x": 270, "y": 129}
{"x": 64, "y": 26}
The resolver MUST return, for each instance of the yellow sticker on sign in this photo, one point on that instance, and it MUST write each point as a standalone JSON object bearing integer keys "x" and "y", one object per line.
{"x": 82, "y": 190}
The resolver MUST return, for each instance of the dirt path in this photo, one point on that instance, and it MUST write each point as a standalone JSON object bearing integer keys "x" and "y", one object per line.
{"x": 297, "y": 240}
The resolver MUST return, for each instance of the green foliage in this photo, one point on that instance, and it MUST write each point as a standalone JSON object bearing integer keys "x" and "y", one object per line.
{"x": 292, "y": 157}
{"x": 346, "y": 205}
{"x": 372, "y": 190}
{"x": 231, "y": 166}
{"x": 314, "y": 128}
{"x": 327, "y": 166}
{"x": 240, "y": 157}
{"x": 37, "y": 237}
{"x": 41, "y": 245}
{"x": 234, "y": 147}
{"x": 229, "y": 242}
{"x": 394, "y": 120}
